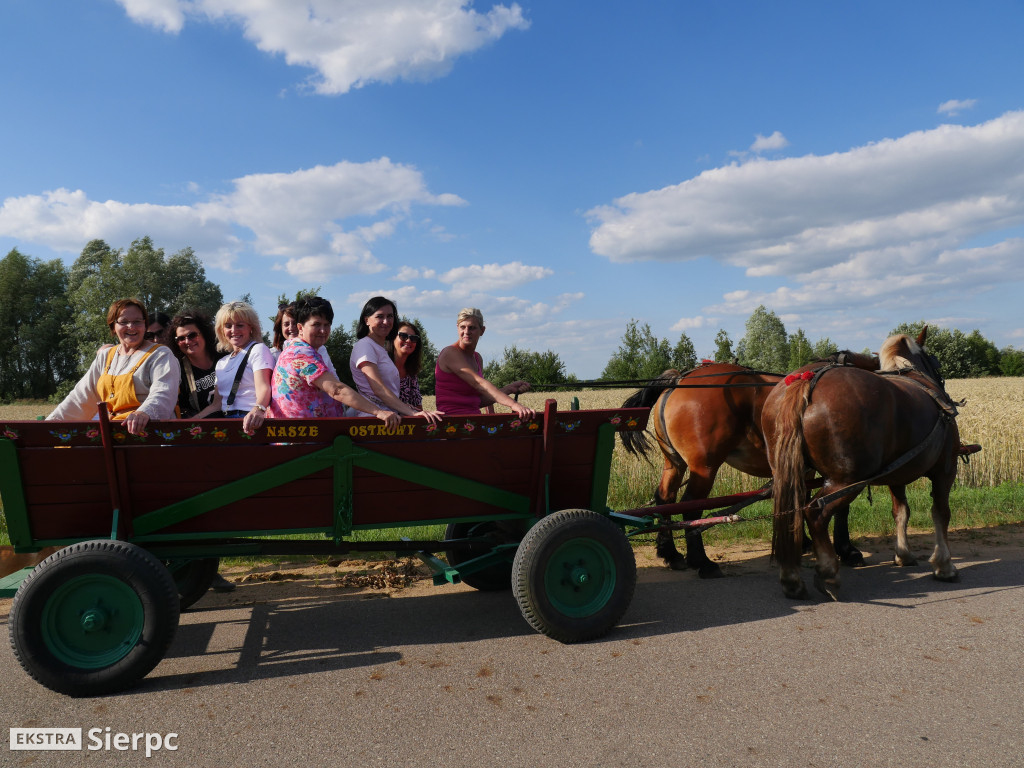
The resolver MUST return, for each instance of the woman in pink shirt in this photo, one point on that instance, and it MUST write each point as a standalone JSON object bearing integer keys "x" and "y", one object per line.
{"x": 459, "y": 384}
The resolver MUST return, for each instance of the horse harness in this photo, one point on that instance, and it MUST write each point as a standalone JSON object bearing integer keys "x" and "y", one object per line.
{"x": 947, "y": 413}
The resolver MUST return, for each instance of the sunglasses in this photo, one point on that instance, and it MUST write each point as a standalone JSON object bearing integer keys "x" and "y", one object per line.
{"x": 187, "y": 337}
{"x": 409, "y": 337}
{"x": 149, "y": 335}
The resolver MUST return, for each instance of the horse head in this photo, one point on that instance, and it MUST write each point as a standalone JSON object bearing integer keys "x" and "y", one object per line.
{"x": 900, "y": 351}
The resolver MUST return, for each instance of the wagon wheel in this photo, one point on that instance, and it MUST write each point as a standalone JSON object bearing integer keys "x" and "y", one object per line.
{"x": 574, "y": 575}
{"x": 193, "y": 577}
{"x": 94, "y": 618}
{"x": 498, "y": 576}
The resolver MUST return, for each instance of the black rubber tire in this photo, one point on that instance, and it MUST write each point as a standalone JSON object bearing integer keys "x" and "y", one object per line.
{"x": 574, "y": 575}
{"x": 193, "y": 578}
{"x": 132, "y": 604}
{"x": 496, "y": 578}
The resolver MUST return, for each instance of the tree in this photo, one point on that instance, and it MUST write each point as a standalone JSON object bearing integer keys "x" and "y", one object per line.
{"x": 765, "y": 346}
{"x": 641, "y": 356}
{"x": 984, "y": 355}
{"x": 800, "y": 350}
{"x": 34, "y": 351}
{"x": 544, "y": 370}
{"x": 1011, "y": 361}
{"x": 824, "y": 348}
{"x": 684, "y": 356}
{"x": 100, "y": 276}
{"x": 723, "y": 347}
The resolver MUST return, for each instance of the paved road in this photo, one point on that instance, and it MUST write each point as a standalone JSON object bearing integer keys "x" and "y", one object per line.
{"x": 905, "y": 672}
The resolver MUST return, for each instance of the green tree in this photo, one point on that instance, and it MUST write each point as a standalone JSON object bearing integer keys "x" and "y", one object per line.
{"x": 985, "y": 355}
{"x": 1011, "y": 361}
{"x": 823, "y": 348}
{"x": 642, "y": 355}
{"x": 544, "y": 370}
{"x": 684, "y": 356}
{"x": 101, "y": 275}
{"x": 35, "y": 355}
{"x": 765, "y": 346}
{"x": 800, "y": 350}
{"x": 723, "y": 347}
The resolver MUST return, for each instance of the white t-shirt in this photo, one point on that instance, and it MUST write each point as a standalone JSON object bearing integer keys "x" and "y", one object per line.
{"x": 259, "y": 359}
{"x": 368, "y": 351}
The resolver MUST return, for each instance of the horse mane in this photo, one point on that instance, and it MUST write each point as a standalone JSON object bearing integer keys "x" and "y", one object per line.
{"x": 898, "y": 352}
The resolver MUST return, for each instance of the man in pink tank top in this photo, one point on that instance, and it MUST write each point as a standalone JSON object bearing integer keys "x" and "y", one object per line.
{"x": 459, "y": 385}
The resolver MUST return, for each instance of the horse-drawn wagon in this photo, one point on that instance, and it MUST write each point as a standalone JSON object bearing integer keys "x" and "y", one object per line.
{"x": 142, "y": 520}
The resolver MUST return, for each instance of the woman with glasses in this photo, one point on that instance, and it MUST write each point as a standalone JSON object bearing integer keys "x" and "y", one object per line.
{"x": 157, "y": 330}
{"x": 373, "y": 371}
{"x": 407, "y": 354}
{"x": 194, "y": 343}
{"x": 243, "y": 375}
{"x": 136, "y": 378}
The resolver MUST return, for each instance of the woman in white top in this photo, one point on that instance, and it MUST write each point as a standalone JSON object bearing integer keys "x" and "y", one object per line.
{"x": 373, "y": 371}
{"x": 136, "y": 378}
{"x": 238, "y": 333}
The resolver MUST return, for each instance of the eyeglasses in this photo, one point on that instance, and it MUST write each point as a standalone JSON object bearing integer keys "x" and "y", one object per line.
{"x": 131, "y": 323}
{"x": 409, "y": 337}
{"x": 187, "y": 337}
{"x": 149, "y": 335}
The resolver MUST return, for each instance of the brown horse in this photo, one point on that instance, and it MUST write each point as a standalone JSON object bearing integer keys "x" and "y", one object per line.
{"x": 703, "y": 419}
{"x": 857, "y": 429}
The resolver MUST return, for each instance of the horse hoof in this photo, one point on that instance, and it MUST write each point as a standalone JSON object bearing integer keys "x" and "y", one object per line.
{"x": 710, "y": 571}
{"x": 677, "y": 563}
{"x": 854, "y": 558}
{"x": 949, "y": 578}
{"x": 905, "y": 561}
{"x": 828, "y": 587}
{"x": 795, "y": 591}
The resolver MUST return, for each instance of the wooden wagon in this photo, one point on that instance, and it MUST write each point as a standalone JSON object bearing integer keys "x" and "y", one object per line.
{"x": 140, "y": 521}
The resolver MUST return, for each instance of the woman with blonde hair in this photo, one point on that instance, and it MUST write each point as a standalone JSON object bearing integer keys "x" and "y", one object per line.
{"x": 243, "y": 375}
{"x": 136, "y": 378}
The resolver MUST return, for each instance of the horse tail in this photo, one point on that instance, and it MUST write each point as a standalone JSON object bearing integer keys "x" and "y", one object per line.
{"x": 789, "y": 483}
{"x": 637, "y": 443}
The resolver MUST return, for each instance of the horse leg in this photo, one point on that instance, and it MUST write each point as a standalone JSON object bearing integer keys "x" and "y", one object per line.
{"x": 901, "y": 516}
{"x": 826, "y": 568}
{"x": 942, "y": 565}
{"x": 848, "y": 554}
{"x": 665, "y": 493}
{"x": 699, "y": 486}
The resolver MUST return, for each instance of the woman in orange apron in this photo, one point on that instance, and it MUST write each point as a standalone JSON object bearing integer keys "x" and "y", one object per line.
{"x": 137, "y": 379}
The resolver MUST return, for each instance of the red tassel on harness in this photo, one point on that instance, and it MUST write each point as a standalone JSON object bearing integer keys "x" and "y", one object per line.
{"x": 805, "y": 376}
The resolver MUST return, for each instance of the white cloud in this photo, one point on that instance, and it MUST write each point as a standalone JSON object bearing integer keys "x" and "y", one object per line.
{"x": 766, "y": 143}
{"x": 956, "y": 106}
{"x": 691, "y": 323}
{"x": 297, "y": 216}
{"x": 349, "y": 43}
{"x": 488, "y": 277}
{"x": 880, "y": 222}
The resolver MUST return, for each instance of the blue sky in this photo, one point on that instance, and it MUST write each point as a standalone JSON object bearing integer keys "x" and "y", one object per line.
{"x": 565, "y": 166}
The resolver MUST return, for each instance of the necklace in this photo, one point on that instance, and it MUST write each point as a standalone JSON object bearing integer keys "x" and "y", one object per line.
{"x": 121, "y": 363}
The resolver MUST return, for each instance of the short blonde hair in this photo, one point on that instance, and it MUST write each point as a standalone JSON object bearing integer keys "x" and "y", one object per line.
{"x": 236, "y": 311}
{"x": 467, "y": 313}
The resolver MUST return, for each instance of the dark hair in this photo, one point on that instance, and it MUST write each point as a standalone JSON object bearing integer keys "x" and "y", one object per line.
{"x": 310, "y": 306}
{"x": 368, "y": 309}
{"x": 163, "y": 336}
{"x": 282, "y": 310}
{"x": 414, "y": 362}
{"x": 119, "y": 306}
{"x": 201, "y": 321}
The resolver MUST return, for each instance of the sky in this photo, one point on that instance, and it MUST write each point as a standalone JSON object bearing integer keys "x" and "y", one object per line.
{"x": 565, "y": 166}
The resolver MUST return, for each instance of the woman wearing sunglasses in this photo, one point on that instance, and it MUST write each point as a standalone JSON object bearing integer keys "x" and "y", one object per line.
{"x": 194, "y": 343}
{"x": 407, "y": 354}
{"x": 136, "y": 378}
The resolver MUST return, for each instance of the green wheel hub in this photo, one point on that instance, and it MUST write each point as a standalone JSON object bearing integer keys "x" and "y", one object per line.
{"x": 92, "y": 621}
{"x": 580, "y": 577}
